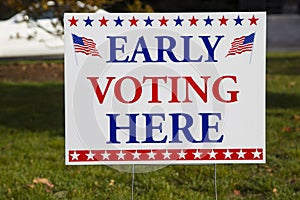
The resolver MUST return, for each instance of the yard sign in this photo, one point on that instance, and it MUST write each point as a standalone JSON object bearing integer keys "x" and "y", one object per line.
{"x": 165, "y": 88}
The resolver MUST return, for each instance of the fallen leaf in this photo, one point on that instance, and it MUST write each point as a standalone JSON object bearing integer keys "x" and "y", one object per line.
{"x": 286, "y": 129}
{"x": 8, "y": 190}
{"x": 236, "y": 192}
{"x": 274, "y": 190}
{"x": 292, "y": 84}
{"x": 296, "y": 117}
{"x": 269, "y": 169}
{"x": 31, "y": 186}
{"x": 111, "y": 182}
{"x": 43, "y": 181}
{"x": 96, "y": 183}
{"x": 48, "y": 190}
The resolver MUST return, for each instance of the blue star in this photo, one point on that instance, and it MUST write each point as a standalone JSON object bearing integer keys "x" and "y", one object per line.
{"x": 208, "y": 21}
{"x": 148, "y": 21}
{"x": 118, "y": 21}
{"x": 178, "y": 21}
{"x": 88, "y": 21}
{"x": 238, "y": 20}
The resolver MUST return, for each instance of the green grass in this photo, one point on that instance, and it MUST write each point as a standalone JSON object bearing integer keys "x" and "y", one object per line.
{"x": 32, "y": 146}
{"x": 28, "y": 61}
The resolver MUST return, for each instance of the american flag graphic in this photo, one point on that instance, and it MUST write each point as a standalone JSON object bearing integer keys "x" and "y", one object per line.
{"x": 85, "y": 45}
{"x": 241, "y": 45}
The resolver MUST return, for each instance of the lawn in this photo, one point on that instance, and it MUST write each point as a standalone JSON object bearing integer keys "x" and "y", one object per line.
{"x": 32, "y": 151}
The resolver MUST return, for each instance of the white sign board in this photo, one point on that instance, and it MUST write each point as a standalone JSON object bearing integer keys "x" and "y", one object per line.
{"x": 165, "y": 88}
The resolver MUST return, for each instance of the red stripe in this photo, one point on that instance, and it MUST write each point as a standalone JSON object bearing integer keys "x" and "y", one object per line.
{"x": 169, "y": 154}
{"x": 89, "y": 47}
{"x": 237, "y": 46}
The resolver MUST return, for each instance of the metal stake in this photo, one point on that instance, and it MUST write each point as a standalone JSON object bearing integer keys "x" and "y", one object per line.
{"x": 132, "y": 183}
{"x": 215, "y": 181}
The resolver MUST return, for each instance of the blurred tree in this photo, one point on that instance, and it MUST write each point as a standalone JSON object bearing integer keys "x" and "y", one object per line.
{"x": 5, "y": 10}
{"x": 193, "y": 5}
{"x": 55, "y": 9}
{"x": 138, "y": 6}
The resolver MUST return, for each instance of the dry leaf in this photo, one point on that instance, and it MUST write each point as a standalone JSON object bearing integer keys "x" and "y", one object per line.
{"x": 31, "y": 186}
{"x": 111, "y": 182}
{"x": 292, "y": 84}
{"x": 270, "y": 170}
{"x": 274, "y": 190}
{"x": 43, "y": 181}
{"x": 286, "y": 129}
{"x": 8, "y": 190}
{"x": 48, "y": 190}
{"x": 236, "y": 192}
{"x": 296, "y": 117}
{"x": 96, "y": 183}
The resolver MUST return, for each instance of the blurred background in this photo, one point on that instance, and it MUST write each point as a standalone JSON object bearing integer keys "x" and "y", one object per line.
{"x": 39, "y": 22}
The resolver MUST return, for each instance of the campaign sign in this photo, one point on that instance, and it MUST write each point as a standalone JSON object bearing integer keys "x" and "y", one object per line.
{"x": 165, "y": 88}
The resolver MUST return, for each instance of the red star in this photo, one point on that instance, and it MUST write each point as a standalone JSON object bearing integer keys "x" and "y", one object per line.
{"x": 103, "y": 21}
{"x": 193, "y": 21}
{"x": 253, "y": 20}
{"x": 133, "y": 21}
{"x": 73, "y": 21}
{"x": 223, "y": 20}
{"x": 163, "y": 21}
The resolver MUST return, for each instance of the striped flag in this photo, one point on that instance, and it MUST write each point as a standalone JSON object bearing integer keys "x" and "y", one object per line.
{"x": 85, "y": 45}
{"x": 241, "y": 45}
